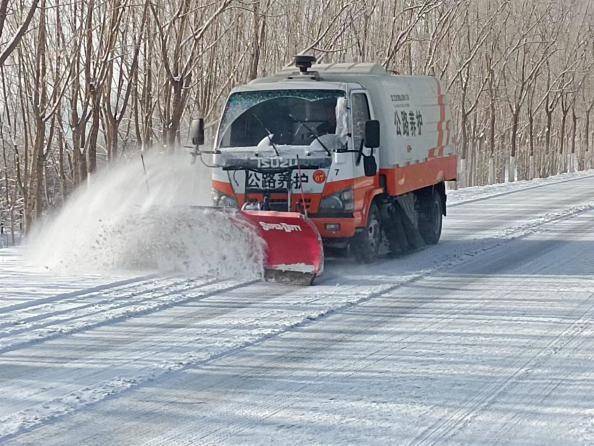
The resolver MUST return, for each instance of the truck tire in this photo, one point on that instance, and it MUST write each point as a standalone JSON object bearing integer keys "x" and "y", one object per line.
{"x": 431, "y": 217}
{"x": 366, "y": 244}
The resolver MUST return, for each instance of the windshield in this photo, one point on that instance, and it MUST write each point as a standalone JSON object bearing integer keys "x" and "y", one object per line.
{"x": 287, "y": 117}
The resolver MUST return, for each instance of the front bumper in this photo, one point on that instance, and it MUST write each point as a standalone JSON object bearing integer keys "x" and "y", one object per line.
{"x": 335, "y": 227}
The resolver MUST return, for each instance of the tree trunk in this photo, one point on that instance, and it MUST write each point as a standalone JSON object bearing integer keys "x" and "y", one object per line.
{"x": 514, "y": 131}
{"x": 62, "y": 170}
{"x": 573, "y": 129}
{"x": 91, "y": 146}
{"x": 548, "y": 155}
{"x": 111, "y": 136}
{"x": 34, "y": 207}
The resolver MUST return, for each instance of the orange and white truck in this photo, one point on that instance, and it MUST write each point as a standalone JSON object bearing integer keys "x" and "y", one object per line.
{"x": 357, "y": 154}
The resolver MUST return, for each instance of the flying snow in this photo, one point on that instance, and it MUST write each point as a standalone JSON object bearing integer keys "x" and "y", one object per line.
{"x": 134, "y": 218}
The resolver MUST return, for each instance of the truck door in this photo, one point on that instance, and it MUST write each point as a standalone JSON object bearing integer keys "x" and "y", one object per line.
{"x": 360, "y": 113}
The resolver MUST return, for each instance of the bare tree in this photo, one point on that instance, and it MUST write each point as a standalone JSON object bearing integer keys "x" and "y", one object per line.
{"x": 5, "y": 51}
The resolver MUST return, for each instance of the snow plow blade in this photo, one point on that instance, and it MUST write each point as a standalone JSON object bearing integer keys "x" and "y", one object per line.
{"x": 294, "y": 250}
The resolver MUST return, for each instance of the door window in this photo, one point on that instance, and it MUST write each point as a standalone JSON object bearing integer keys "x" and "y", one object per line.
{"x": 360, "y": 113}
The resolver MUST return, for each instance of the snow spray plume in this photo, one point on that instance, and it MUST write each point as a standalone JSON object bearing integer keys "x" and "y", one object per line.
{"x": 117, "y": 223}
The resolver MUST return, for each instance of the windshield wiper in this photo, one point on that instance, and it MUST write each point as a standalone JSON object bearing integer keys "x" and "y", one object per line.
{"x": 309, "y": 129}
{"x": 270, "y": 134}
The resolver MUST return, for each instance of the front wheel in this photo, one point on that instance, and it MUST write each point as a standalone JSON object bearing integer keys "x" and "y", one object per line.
{"x": 431, "y": 218}
{"x": 366, "y": 244}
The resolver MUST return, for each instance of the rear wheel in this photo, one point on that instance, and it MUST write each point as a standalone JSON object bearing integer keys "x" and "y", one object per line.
{"x": 431, "y": 217}
{"x": 366, "y": 244}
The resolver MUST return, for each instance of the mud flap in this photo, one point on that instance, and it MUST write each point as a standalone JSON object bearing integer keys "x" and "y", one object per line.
{"x": 294, "y": 250}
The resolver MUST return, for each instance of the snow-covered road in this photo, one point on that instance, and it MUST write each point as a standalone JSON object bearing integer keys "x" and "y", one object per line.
{"x": 486, "y": 338}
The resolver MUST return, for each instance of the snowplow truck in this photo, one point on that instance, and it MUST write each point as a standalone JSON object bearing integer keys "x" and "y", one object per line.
{"x": 344, "y": 155}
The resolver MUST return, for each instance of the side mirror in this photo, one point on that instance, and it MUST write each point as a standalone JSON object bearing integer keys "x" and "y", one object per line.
{"x": 372, "y": 134}
{"x": 197, "y": 132}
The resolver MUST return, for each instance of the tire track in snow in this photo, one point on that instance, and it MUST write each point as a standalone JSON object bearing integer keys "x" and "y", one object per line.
{"x": 49, "y": 314}
{"x": 158, "y": 347}
{"x": 256, "y": 334}
{"x": 276, "y": 406}
{"x": 444, "y": 430}
{"x": 9, "y": 309}
{"x": 540, "y": 394}
{"x": 220, "y": 346}
{"x": 175, "y": 294}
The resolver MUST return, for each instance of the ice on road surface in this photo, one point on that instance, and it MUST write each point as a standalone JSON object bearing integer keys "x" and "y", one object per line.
{"x": 485, "y": 338}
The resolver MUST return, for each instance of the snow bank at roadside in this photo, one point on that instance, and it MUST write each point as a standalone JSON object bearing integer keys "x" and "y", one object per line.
{"x": 467, "y": 194}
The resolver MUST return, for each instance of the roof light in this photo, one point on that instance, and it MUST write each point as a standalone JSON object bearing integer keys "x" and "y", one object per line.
{"x": 303, "y": 62}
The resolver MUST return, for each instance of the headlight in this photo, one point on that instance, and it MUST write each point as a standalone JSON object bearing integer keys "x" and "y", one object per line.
{"x": 224, "y": 201}
{"x": 340, "y": 201}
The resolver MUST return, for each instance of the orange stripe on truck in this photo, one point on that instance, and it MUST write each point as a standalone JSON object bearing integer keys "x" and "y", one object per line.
{"x": 400, "y": 180}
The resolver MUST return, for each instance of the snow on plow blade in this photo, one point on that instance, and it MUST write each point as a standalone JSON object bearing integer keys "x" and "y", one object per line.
{"x": 294, "y": 251}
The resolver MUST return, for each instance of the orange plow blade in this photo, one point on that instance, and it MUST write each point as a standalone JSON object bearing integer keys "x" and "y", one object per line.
{"x": 294, "y": 250}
